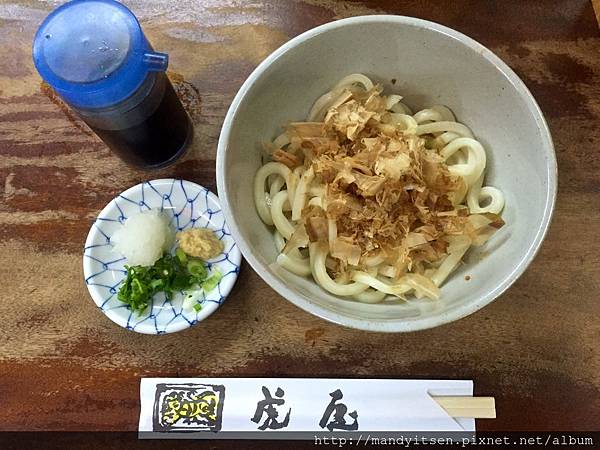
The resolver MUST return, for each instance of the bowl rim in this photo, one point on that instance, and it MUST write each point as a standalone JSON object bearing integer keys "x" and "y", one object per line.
{"x": 387, "y": 325}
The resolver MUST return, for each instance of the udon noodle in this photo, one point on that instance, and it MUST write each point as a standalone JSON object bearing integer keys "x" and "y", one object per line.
{"x": 371, "y": 200}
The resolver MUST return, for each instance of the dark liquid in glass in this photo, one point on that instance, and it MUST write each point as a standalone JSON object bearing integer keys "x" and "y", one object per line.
{"x": 152, "y": 134}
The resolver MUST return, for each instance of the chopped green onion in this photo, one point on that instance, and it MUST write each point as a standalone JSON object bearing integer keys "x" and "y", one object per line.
{"x": 137, "y": 287}
{"x": 181, "y": 256}
{"x": 197, "y": 307}
{"x": 170, "y": 274}
{"x": 196, "y": 268}
{"x": 154, "y": 284}
{"x": 211, "y": 283}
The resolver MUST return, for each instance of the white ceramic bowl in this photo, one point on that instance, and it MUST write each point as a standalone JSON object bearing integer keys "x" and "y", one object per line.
{"x": 432, "y": 65}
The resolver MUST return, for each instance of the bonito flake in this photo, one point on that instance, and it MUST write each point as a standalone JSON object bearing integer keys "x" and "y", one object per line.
{"x": 386, "y": 197}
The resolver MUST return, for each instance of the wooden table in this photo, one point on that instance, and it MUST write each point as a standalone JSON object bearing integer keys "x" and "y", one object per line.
{"x": 64, "y": 366}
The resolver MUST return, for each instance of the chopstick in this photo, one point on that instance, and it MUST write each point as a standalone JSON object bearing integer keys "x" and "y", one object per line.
{"x": 469, "y": 407}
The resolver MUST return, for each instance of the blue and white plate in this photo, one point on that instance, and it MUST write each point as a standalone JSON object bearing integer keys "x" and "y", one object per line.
{"x": 189, "y": 205}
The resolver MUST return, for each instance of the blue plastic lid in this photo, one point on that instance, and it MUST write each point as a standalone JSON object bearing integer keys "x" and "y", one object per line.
{"x": 94, "y": 53}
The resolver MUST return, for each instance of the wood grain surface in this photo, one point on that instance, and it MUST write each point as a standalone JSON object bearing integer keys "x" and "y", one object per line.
{"x": 64, "y": 366}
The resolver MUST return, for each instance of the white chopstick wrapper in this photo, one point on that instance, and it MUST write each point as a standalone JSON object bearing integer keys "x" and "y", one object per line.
{"x": 215, "y": 408}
